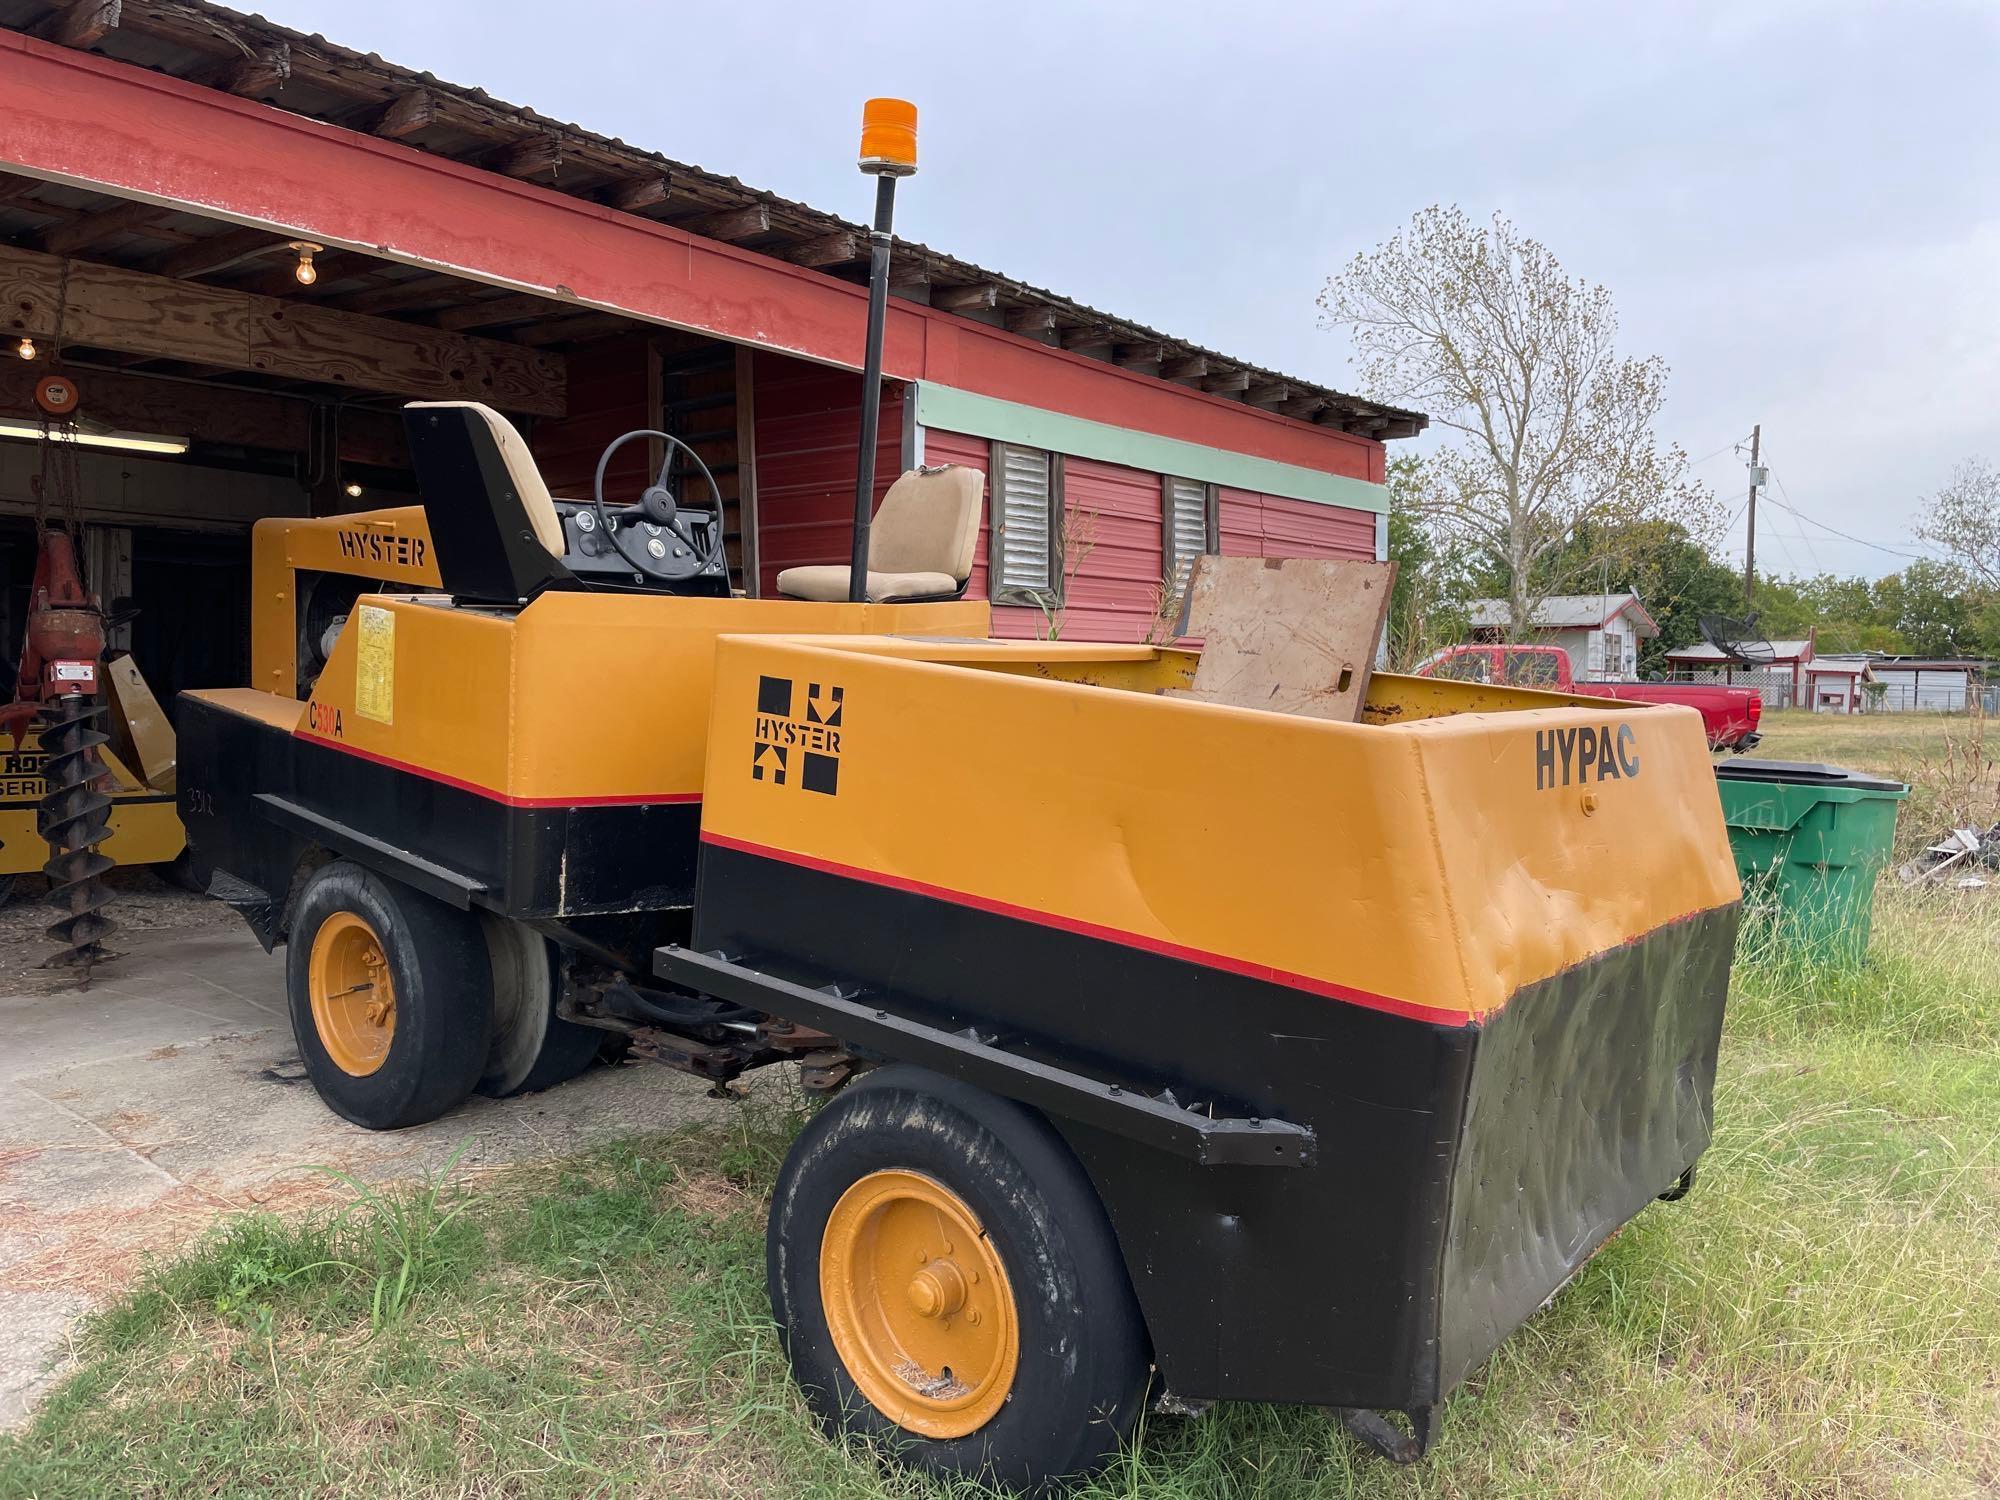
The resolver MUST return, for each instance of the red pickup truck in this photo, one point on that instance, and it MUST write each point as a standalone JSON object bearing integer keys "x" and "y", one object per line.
{"x": 1730, "y": 714}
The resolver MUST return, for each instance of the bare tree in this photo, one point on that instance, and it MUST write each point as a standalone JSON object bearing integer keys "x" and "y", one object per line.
{"x": 1962, "y": 520}
{"x": 1481, "y": 328}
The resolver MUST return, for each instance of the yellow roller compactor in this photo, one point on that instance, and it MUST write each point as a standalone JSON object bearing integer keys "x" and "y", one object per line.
{"x": 1177, "y": 1046}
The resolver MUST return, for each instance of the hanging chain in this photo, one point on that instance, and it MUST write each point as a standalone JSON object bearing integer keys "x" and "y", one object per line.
{"x": 59, "y": 470}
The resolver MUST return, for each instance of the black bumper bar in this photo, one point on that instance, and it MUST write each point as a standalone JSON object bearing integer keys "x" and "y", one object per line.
{"x": 859, "y": 1021}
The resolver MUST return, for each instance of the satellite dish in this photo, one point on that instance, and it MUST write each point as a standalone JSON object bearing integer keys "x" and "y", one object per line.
{"x": 1739, "y": 641}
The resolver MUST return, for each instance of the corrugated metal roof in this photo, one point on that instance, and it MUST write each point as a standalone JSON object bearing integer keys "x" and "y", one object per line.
{"x": 1561, "y": 612}
{"x": 1703, "y": 651}
{"x": 307, "y": 74}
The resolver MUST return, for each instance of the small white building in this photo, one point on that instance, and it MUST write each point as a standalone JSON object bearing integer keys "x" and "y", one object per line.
{"x": 1601, "y": 632}
{"x": 1834, "y": 684}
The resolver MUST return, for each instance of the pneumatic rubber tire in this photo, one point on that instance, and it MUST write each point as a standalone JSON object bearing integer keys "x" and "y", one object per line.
{"x": 533, "y": 1048}
{"x": 1082, "y": 1367}
{"x": 436, "y": 959}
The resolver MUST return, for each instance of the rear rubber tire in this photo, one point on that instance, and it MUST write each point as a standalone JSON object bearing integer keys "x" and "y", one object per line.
{"x": 533, "y": 1047}
{"x": 436, "y": 958}
{"x": 1079, "y": 1379}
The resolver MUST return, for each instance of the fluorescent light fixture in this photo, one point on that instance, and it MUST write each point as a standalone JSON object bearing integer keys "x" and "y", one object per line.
{"x": 92, "y": 436}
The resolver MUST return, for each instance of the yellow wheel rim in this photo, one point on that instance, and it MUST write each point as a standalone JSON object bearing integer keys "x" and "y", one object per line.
{"x": 919, "y": 1305}
{"x": 353, "y": 996}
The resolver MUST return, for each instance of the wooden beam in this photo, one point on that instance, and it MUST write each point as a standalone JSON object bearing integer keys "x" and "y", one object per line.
{"x": 1302, "y": 406}
{"x": 730, "y": 223}
{"x": 976, "y": 298}
{"x": 828, "y": 250}
{"x": 537, "y": 155}
{"x": 1272, "y": 394}
{"x": 263, "y": 71}
{"x": 1138, "y": 356}
{"x": 160, "y": 318}
{"x": 404, "y": 115}
{"x": 84, "y": 23}
{"x": 411, "y": 291}
{"x": 1033, "y": 322}
{"x": 498, "y": 312}
{"x": 218, "y": 252}
{"x": 641, "y": 193}
{"x": 1087, "y": 340}
{"x": 1189, "y": 367}
{"x": 1226, "y": 382}
{"x": 584, "y": 326}
{"x": 103, "y": 224}
{"x": 212, "y": 414}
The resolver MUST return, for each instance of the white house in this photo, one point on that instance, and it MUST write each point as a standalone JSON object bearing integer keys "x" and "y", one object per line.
{"x": 1601, "y": 632}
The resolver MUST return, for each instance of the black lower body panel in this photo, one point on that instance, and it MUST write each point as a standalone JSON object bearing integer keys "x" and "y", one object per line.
{"x": 592, "y": 865}
{"x": 1462, "y": 1174}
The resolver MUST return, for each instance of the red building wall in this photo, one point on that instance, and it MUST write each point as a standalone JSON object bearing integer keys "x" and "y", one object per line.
{"x": 808, "y": 427}
{"x": 608, "y": 385}
{"x": 1113, "y": 594}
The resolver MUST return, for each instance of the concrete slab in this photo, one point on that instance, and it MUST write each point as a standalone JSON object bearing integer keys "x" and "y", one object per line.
{"x": 170, "y": 1092}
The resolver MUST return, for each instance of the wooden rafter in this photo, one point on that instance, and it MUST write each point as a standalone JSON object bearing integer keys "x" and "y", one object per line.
{"x": 979, "y": 297}
{"x": 1187, "y": 367}
{"x": 156, "y": 317}
{"x": 731, "y": 223}
{"x": 218, "y": 252}
{"x": 1226, "y": 382}
{"x": 499, "y": 312}
{"x": 539, "y": 155}
{"x": 88, "y": 229}
{"x": 263, "y": 71}
{"x": 84, "y": 22}
{"x": 406, "y": 114}
{"x": 827, "y": 250}
{"x": 1033, "y": 322}
{"x": 641, "y": 193}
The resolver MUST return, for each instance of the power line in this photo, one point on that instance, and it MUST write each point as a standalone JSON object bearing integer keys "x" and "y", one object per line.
{"x": 1835, "y": 530}
{"x": 1726, "y": 447}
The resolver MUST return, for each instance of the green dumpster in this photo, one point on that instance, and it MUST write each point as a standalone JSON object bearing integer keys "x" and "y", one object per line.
{"x": 1809, "y": 841}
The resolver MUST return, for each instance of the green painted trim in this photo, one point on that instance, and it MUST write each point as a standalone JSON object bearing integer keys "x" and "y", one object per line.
{"x": 952, "y": 410}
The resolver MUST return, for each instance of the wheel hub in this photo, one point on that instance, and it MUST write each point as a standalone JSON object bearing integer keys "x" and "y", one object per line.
{"x": 353, "y": 994}
{"x": 934, "y": 1351}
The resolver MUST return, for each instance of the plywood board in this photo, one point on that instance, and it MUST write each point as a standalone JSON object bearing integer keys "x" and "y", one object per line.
{"x": 1294, "y": 635}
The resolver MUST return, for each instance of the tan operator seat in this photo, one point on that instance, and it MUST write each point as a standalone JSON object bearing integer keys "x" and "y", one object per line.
{"x": 521, "y": 469}
{"x": 920, "y": 544}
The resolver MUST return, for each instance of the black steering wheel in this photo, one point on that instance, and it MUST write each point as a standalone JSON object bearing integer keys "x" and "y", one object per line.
{"x": 672, "y": 557}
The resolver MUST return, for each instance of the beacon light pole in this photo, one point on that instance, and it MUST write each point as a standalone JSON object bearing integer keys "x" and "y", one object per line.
{"x": 888, "y": 151}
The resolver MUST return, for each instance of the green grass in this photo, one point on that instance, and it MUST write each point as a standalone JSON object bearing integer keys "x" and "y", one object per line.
{"x": 1820, "y": 1318}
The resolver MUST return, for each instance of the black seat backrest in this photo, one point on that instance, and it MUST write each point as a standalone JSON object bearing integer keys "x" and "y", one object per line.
{"x": 486, "y": 547}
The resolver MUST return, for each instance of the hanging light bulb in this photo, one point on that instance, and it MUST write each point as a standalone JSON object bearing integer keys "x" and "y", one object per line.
{"x": 306, "y": 272}
{"x": 353, "y": 490}
{"x": 26, "y": 348}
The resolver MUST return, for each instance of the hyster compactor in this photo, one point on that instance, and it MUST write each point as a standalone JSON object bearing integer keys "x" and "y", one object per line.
{"x": 1179, "y": 1050}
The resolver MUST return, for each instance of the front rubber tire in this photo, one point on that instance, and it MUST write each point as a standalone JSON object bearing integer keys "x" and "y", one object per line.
{"x": 1078, "y": 1373}
{"x": 443, "y": 1014}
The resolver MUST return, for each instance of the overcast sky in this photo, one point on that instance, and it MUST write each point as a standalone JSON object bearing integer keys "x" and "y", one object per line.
{"x": 1796, "y": 204}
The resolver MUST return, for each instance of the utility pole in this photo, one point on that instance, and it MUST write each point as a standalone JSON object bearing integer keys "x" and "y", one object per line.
{"x": 1750, "y": 544}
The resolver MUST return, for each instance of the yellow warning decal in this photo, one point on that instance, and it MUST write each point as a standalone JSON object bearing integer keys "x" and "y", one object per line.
{"x": 375, "y": 664}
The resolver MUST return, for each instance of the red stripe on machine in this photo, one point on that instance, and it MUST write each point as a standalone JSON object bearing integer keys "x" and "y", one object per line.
{"x": 623, "y": 799}
{"x": 1437, "y": 1015}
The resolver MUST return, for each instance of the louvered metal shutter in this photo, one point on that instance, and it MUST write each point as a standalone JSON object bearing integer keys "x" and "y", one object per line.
{"x": 1187, "y": 528}
{"x": 1027, "y": 542}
